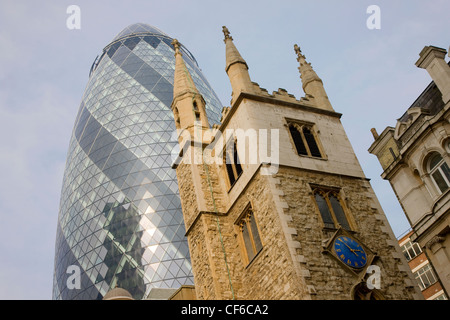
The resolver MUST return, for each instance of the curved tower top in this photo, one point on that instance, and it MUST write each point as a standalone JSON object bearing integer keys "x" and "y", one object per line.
{"x": 142, "y": 29}
{"x": 138, "y": 28}
{"x": 120, "y": 221}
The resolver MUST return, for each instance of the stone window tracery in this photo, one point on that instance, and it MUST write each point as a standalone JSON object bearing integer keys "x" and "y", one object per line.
{"x": 305, "y": 139}
{"x": 232, "y": 163}
{"x": 331, "y": 208}
{"x": 249, "y": 235}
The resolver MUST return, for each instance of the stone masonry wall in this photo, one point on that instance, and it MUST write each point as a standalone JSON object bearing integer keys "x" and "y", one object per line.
{"x": 217, "y": 254}
{"x": 292, "y": 263}
{"x": 328, "y": 277}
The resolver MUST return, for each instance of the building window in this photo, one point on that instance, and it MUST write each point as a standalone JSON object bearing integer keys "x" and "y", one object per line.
{"x": 411, "y": 250}
{"x": 439, "y": 171}
{"x": 232, "y": 163}
{"x": 177, "y": 117}
{"x": 442, "y": 296}
{"x": 249, "y": 234}
{"x": 331, "y": 208}
{"x": 305, "y": 140}
{"x": 425, "y": 277}
{"x": 196, "y": 111}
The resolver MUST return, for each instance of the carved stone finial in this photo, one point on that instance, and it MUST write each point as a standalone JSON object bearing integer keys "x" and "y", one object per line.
{"x": 298, "y": 52}
{"x": 374, "y": 133}
{"x": 226, "y": 32}
{"x": 176, "y": 45}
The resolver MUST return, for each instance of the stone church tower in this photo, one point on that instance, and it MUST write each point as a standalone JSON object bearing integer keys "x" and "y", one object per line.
{"x": 275, "y": 203}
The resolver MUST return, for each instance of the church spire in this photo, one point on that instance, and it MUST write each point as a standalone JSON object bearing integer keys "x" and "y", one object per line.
{"x": 311, "y": 83}
{"x": 182, "y": 82}
{"x": 236, "y": 67}
{"x": 188, "y": 105}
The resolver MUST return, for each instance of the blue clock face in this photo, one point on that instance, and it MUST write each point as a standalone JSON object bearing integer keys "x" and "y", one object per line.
{"x": 350, "y": 252}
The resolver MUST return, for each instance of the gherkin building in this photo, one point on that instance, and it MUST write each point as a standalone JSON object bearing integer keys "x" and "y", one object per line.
{"x": 120, "y": 222}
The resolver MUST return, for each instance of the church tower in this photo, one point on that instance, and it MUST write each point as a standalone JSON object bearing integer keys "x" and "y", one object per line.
{"x": 275, "y": 203}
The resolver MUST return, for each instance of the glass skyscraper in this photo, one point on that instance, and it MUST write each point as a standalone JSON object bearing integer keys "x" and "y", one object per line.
{"x": 120, "y": 221}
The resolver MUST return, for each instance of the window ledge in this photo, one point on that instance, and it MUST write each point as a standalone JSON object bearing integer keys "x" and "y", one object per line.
{"x": 235, "y": 181}
{"x": 248, "y": 266}
{"x": 312, "y": 157}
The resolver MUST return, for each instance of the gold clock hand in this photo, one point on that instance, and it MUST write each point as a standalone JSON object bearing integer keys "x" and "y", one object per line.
{"x": 352, "y": 250}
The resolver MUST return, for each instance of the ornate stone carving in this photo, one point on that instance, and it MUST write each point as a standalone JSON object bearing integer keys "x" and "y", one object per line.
{"x": 297, "y": 50}
{"x": 176, "y": 46}
{"x": 226, "y": 32}
{"x": 433, "y": 241}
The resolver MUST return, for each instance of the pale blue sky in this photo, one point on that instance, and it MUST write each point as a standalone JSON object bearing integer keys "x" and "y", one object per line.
{"x": 369, "y": 76}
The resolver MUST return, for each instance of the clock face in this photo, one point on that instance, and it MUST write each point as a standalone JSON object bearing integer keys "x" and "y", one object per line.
{"x": 350, "y": 252}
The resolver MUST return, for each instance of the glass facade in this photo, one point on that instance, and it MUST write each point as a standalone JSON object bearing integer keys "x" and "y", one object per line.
{"x": 120, "y": 221}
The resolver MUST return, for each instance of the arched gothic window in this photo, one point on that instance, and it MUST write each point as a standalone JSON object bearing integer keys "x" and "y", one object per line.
{"x": 196, "y": 111}
{"x": 177, "y": 117}
{"x": 331, "y": 209}
{"x": 249, "y": 234}
{"x": 232, "y": 163}
{"x": 305, "y": 140}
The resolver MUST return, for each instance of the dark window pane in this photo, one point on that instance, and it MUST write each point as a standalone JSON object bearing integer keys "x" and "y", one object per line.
{"x": 338, "y": 212}
{"x": 430, "y": 276}
{"x": 420, "y": 282}
{"x": 311, "y": 141}
{"x": 163, "y": 90}
{"x": 417, "y": 248}
{"x": 426, "y": 281}
{"x": 298, "y": 141}
{"x": 405, "y": 253}
{"x": 121, "y": 54}
{"x": 147, "y": 76}
{"x": 168, "y": 42}
{"x": 237, "y": 162}
{"x": 113, "y": 49}
{"x": 230, "y": 173}
{"x": 324, "y": 211}
{"x": 89, "y": 134}
{"x": 132, "y": 42}
{"x": 132, "y": 64}
{"x": 440, "y": 181}
{"x": 84, "y": 117}
{"x": 152, "y": 40}
{"x": 446, "y": 170}
{"x": 247, "y": 241}
{"x": 434, "y": 161}
{"x": 411, "y": 252}
{"x": 255, "y": 233}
